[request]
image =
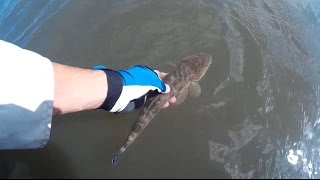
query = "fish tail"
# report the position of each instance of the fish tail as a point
(116, 158)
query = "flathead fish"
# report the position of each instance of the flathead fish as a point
(181, 80)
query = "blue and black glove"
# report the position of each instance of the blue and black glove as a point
(127, 89)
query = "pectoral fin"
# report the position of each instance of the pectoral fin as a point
(181, 96)
(194, 89)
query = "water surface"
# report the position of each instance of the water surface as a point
(257, 116)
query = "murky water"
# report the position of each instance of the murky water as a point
(257, 116)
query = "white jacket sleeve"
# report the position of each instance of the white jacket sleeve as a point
(26, 98)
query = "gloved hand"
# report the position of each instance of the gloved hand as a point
(127, 89)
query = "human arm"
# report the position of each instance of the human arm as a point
(78, 89)
(33, 88)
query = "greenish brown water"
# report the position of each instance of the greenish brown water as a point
(257, 116)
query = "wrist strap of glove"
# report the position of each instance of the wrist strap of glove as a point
(115, 86)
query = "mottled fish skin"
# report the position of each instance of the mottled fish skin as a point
(191, 68)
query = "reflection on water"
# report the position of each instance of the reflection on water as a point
(20, 20)
(258, 114)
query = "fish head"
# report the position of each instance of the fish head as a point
(195, 66)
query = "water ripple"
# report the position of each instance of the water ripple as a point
(23, 28)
